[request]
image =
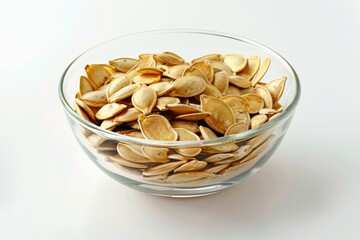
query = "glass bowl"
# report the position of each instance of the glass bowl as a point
(100, 144)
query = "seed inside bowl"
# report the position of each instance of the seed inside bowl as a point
(222, 93)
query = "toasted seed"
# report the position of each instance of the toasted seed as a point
(180, 109)
(146, 62)
(239, 81)
(256, 102)
(221, 117)
(189, 125)
(162, 168)
(157, 127)
(205, 68)
(240, 168)
(209, 57)
(134, 125)
(129, 114)
(193, 116)
(237, 127)
(186, 177)
(241, 115)
(85, 85)
(123, 64)
(258, 120)
(122, 161)
(221, 82)
(276, 87)
(128, 154)
(186, 135)
(115, 85)
(108, 145)
(95, 98)
(86, 108)
(251, 67)
(232, 90)
(156, 154)
(161, 88)
(261, 72)
(193, 71)
(220, 66)
(150, 71)
(144, 99)
(265, 94)
(235, 61)
(248, 90)
(81, 112)
(178, 157)
(222, 148)
(188, 86)
(268, 111)
(124, 92)
(136, 149)
(156, 178)
(191, 166)
(207, 133)
(258, 140)
(96, 140)
(216, 169)
(109, 124)
(135, 134)
(277, 106)
(162, 102)
(176, 71)
(218, 157)
(99, 73)
(274, 116)
(109, 110)
(212, 91)
(234, 101)
(242, 152)
(170, 58)
(146, 79)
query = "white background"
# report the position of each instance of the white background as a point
(309, 189)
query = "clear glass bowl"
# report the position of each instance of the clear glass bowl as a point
(99, 143)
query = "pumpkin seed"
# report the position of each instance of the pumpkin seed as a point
(258, 120)
(255, 102)
(239, 81)
(191, 166)
(189, 125)
(212, 91)
(241, 115)
(193, 71)
(162, 168)
(220, 66)
(162, 102)
(265, 94)
(109, 110)
(262, 70)
(129, 114)
(144, 99)
(182, 108)
(216, 169)
(251, 67)
(238, 127)
(95, 98)
(234, 101)
(161, 88)
(186, 177)
(98, 73)
(188, 86)
(170, 58)
(85, 85)
(232, 90)
(86, 108)
(157, 127)
(276, 87)
(221, 82)
(123, 64)
(218, 157)
(128, 154)
(115, 85)
(156, 154)
(206, 69)
(193, 116)
(124, 92)
(186, 135)
(209, 57)
(146, 79)
(235, 61)
(120, 160)
(176, 71)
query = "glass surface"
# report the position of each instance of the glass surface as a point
(190, 44)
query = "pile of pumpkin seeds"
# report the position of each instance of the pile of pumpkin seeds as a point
(163, 97)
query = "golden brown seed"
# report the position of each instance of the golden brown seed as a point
(232, 90)
(176, 71)
(276, 87)
(239, 81)
(115, 85)
(191, 166)
(161, 88)
(85, 85)
(150, 71)
(122, 161)
(162, 168)
(209, 57)
(109, 110)
(170, 58)
(221, 81)
(251, 68)
(238, 127)
(123, 64)
(86, 108)
(129, 114)
(216, 169)
(207, 133)
(258, 120)
(135, 134)
(221, 117)
(124, 92)
(220, 66)
(234, 101)
(241, 115)
(95, 140)
(261, 72)
(193, 116)
(162, 102)
(193, 71)
(218, 157)
(235, 61)
(95, 98)
(205, 68)
(146, 62)
(187, 177)
(81, 112)
(128, 154)
(268, 111)
(157, 178)
(144, 99)
(98, 73)
(189, 125)
(157, 127)
(146, 79)
(265, 94)
(186, 135)
(188, 86)
(156, 154)
(255, 102)
(109, 124)
(211, 90)
(178, 157)
(180, 109)
(274, 116)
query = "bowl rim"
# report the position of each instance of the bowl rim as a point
(173, 144)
